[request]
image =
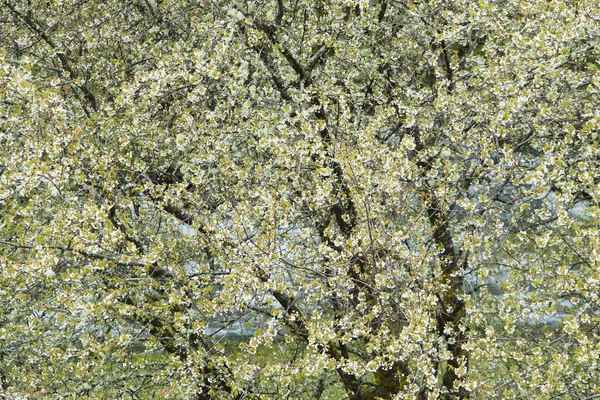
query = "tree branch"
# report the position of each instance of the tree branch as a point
(62, 57)
(268, 61)
(269, 30)
(153, 269)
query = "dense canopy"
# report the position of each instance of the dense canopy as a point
(300, 199)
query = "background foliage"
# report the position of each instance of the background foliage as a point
(398, 199)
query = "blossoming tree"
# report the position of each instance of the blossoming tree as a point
(398, 198)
